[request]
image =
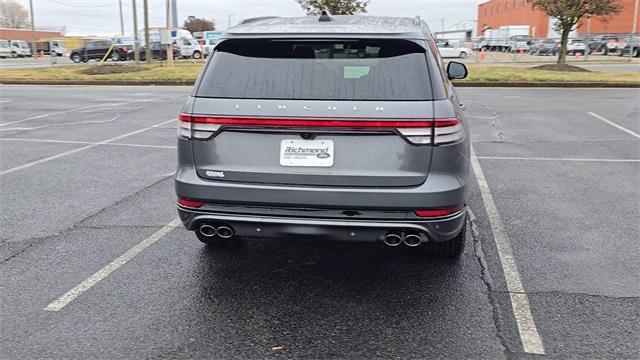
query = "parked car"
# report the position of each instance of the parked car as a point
(158, 51)
(96, 50)
(208, 45)
(5, 49)
(448, 50)
(630, 46)
(519, 42)
(20, 48)
(544, 47)
(576, 46)
(345, 131)
(604, 44)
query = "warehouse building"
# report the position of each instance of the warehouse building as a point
(496, 13)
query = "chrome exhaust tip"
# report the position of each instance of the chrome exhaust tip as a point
(225, 232)
(412, 240)
(392, 240)
(207, 230)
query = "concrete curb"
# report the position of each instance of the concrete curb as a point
(457, 84)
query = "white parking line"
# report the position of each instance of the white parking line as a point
(614, 124)
(531, 341)
(89, 143)
(55, 113)
(88, 283)
(66, 153)
(555, 159)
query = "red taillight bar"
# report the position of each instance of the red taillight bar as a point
(439, 212)
(190, 203)
(315, 122)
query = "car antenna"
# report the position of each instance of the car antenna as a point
(417, 20)
(325, 16)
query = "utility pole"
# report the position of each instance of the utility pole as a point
(121, 19)
(147, 47)
(33, 31)
(174, 13)
(136, 44)
(635, 18)
(169, 46)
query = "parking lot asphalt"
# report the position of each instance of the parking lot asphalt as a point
(86, 203)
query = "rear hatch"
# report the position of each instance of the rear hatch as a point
(308, 112)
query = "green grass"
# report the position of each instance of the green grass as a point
(188, 72)
(156, 72)
(493, 73)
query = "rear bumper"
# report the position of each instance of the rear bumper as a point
(251, 225)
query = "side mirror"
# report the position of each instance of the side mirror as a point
(456, 70)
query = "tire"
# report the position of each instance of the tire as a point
(447, 249)
(75, 58)
(463, 55)
(115, 57)
(197, 55)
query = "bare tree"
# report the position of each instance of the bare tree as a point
(13, 15)
(194, 24)
(335, 7)
(568, 13)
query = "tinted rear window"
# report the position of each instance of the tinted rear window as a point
(317, 70)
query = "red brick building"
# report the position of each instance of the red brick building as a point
(24, 34)
(495, 13)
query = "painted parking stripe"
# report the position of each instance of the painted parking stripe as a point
(89, 143)
(529, 336)
(607, 121)
(556, 159)
(55, 113)
(89, 282)
(87, 147)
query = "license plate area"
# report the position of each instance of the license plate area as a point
(306, 153)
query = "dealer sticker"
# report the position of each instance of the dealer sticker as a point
(317, 153)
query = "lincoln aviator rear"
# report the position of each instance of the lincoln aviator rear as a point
(343, 128)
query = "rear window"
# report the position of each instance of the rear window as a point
(317, 70)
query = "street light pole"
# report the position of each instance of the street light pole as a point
(136, 47)
(33, 30)
(169, 46)
(121, 18)
(635, 18)
(147, 46)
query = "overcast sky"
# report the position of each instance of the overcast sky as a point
(101, 17)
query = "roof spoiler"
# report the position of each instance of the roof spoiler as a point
(254, 19)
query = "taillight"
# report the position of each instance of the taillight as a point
(447, 131)
(192, 128)
(190, 203)
(438, 212)
(417, 131)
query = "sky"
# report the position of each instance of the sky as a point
(101, 17)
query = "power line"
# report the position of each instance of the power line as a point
(82, 6)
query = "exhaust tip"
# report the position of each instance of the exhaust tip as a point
(225, 232)
(412, 240)
(392, 240)
(207, 230)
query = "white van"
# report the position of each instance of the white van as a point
(5, 49)
(19, 48)
(183, 41)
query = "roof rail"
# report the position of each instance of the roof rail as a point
(254, 19)
(325, 16)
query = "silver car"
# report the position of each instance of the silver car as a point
(331, 127)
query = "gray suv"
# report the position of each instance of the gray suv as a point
(331, 127)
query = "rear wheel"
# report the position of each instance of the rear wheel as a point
(463, 55)
(447, 249)
(115, 57)
(197, 55)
